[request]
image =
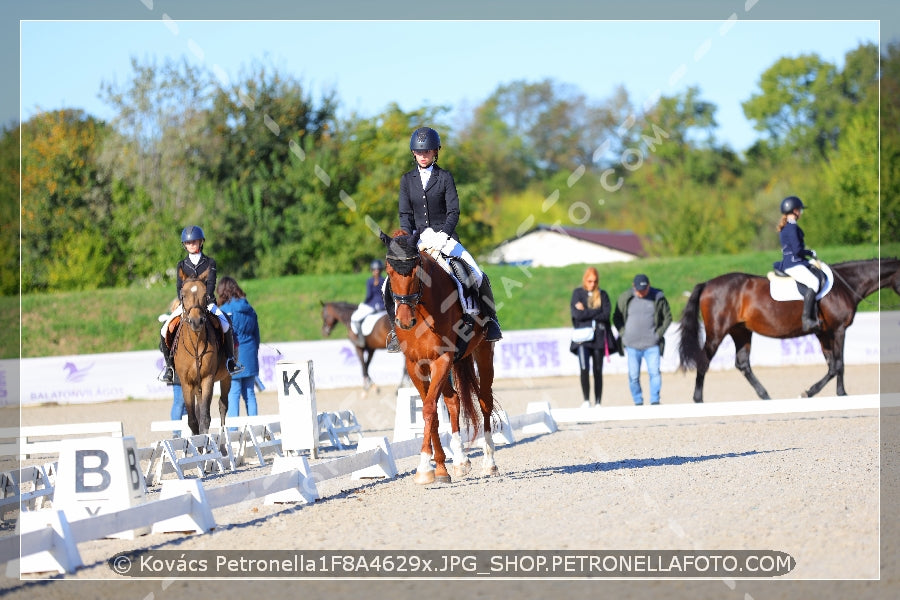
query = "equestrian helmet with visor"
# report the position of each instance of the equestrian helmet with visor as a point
(376, 264)
(424, 138)
(192, 233)
(790, 204)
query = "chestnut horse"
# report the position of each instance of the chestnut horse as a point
(200, 357)
(340, 312)
(436, 339)
(738, 304)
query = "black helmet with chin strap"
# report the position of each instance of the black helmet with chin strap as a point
(790, 204)
(425, 138)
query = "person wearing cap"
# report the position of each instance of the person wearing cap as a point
(795, 261)
(374, 301)
(429, 205)
(642, 317)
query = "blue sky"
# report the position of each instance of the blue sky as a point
(455, 63)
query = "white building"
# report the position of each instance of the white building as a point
(546, 246)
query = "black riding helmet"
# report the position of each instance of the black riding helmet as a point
(193, 233)
(790, 204)
(425, 138)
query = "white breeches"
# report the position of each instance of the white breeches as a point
(804, 276)
(359, 315)
(213, 308)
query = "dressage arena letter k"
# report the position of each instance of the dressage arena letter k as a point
(290, 382)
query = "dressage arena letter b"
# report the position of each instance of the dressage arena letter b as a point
(290, 382)
(82, 471)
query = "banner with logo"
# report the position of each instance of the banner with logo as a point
(520, 354)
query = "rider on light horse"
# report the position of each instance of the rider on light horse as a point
(429, 204)
(194, 265)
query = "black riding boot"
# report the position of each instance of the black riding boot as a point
(810, 319)
(488, 310)
(393, 344)
(168, 372)
(231, 363)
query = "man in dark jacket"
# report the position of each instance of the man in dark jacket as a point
(642, 317)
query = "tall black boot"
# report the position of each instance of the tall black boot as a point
(393, 344)
(168, 373)
(231, 363)
(488, 311)
(810, 319)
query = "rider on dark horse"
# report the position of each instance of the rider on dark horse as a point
(795, 261)
(195, 264)
(373, 303)
(429, 204)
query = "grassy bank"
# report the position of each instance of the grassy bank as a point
(120, 320)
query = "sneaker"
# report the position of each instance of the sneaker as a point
(393, 345)
(585, 404)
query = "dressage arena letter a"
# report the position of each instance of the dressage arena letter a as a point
(297, 407)
(99, 475)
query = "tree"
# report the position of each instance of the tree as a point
(62, 197)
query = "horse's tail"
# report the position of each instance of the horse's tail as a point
(467, 386)
(690, 351)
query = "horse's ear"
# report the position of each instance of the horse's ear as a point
(385, 239)
(181, 274)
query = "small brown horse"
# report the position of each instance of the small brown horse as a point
(340, 312)
(200, 357)
(436, 340)
(738, 304)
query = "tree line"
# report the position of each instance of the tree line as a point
(282, 186)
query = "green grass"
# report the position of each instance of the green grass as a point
(121, 320)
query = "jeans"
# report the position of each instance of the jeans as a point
(651, 357)
(242, 387)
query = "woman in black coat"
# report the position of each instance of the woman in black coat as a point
(590, 307)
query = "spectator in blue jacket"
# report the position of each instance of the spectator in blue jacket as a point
(233, 302)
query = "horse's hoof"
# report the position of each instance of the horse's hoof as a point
(462, 469)
(442, 479)
(424, 478)
(493, 471)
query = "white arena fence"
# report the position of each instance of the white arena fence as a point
(48, 538)
(522, 353)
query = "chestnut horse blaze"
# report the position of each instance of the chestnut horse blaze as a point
(432, 331)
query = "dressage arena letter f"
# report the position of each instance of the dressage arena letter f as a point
(292, 381)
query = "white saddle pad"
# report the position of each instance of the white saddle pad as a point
(368, 323)
(785, 288)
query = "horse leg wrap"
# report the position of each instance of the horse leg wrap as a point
(488, 466)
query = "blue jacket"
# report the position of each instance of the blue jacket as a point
(374, 297)
(246, 332)
(793, 250)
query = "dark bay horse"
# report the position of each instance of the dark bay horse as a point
(738, 304)
(437, 340)
(200, 357)
(340, 312)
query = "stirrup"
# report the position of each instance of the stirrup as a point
(393, 345)
(167, 375)
(233, 366)
(492, 331)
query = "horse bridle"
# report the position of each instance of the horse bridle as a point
(411, 300)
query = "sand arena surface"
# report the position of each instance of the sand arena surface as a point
(804, 484)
